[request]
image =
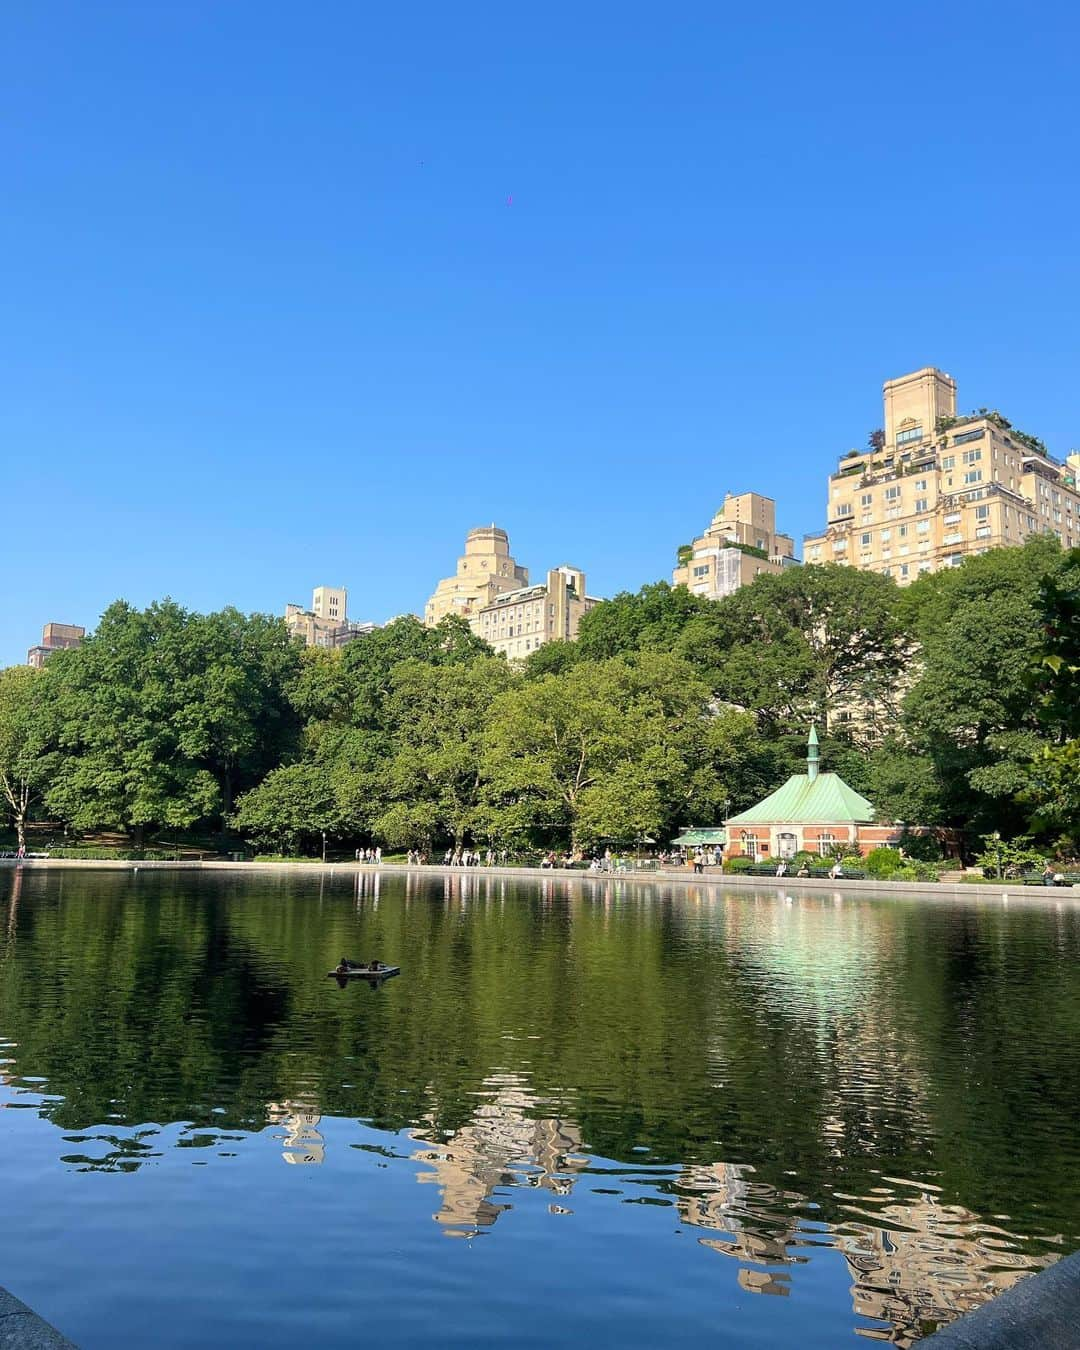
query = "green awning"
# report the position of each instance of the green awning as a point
(690, 837)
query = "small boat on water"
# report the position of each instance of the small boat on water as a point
(370, 970)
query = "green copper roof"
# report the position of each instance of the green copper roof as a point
(824, 800)
(711, 836)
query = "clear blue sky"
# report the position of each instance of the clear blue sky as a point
(270, 319)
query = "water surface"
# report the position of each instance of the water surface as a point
(603, 1109)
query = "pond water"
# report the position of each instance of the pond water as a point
(601, 1110)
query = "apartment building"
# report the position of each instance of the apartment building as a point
(484, 571)
(55, 637)
(518, 622)
(739, 544)
(326, 623)
(940, 487)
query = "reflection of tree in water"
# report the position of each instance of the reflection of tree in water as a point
(503, 1145)
(833, 1044)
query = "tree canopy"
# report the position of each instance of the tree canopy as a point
(951, 703)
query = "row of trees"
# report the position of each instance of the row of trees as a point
(951, 703)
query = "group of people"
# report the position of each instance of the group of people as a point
(369, 855)
(471, 857)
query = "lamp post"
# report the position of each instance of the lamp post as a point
(324, 846)
(997, 851)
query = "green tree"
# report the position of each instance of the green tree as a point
(115, 702)
(289, 809)
(971, 711)
(1052, 789)
(802, 644)
(611, 751)
(433, 779)
(649, 620)
(24, 761)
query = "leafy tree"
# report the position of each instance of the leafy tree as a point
(433, 779)
(114, 703)
(971, 711)
(24, 761)
(1052, 789)
(289, 809)
(802, 644)
(649, 620)
(365, 685)
(611, 751)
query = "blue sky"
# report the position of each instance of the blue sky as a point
(298, 294)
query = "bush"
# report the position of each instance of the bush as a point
(739, 864)
(883, 862)
(91, 854)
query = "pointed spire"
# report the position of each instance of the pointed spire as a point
(812, 753)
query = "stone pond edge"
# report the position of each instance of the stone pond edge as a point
(938, 890)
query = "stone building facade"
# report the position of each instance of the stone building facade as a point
(518, 622)
(740, 543)
(941, 487)
(485, 570)
(326, 623)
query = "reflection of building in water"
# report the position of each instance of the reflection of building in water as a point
(503, 1145)
(927, 1265)
(303, 1142)
(915, 1263)
(758, 1221)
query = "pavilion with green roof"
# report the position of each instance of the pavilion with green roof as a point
(813, 811)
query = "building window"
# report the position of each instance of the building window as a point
(749, 844)
(908, 436)
(973, 476)
(702, 571)
(844, 509)
(971, 456)
(826, 840)
(983, 532)
(866, 499)
(866, 540)
(948, 461)
(966, 436)
(922, 505)
(892, 494)
(920, 485)
(982, 513)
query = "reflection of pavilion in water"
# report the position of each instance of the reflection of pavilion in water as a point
(503, 1145)
(302, 1140)
(915, 1263)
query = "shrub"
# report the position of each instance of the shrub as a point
(883, 862)
(739, 864)
(91, 854)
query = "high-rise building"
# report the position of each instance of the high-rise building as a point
(517, 622)
(485, 571)
(739, 544)
(326, 623)
(936, 487)
(55, 637)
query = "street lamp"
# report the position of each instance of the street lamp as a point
(997, 850)
(324, 846)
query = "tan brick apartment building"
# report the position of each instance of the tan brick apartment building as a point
(942, 487)
(739, 544)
